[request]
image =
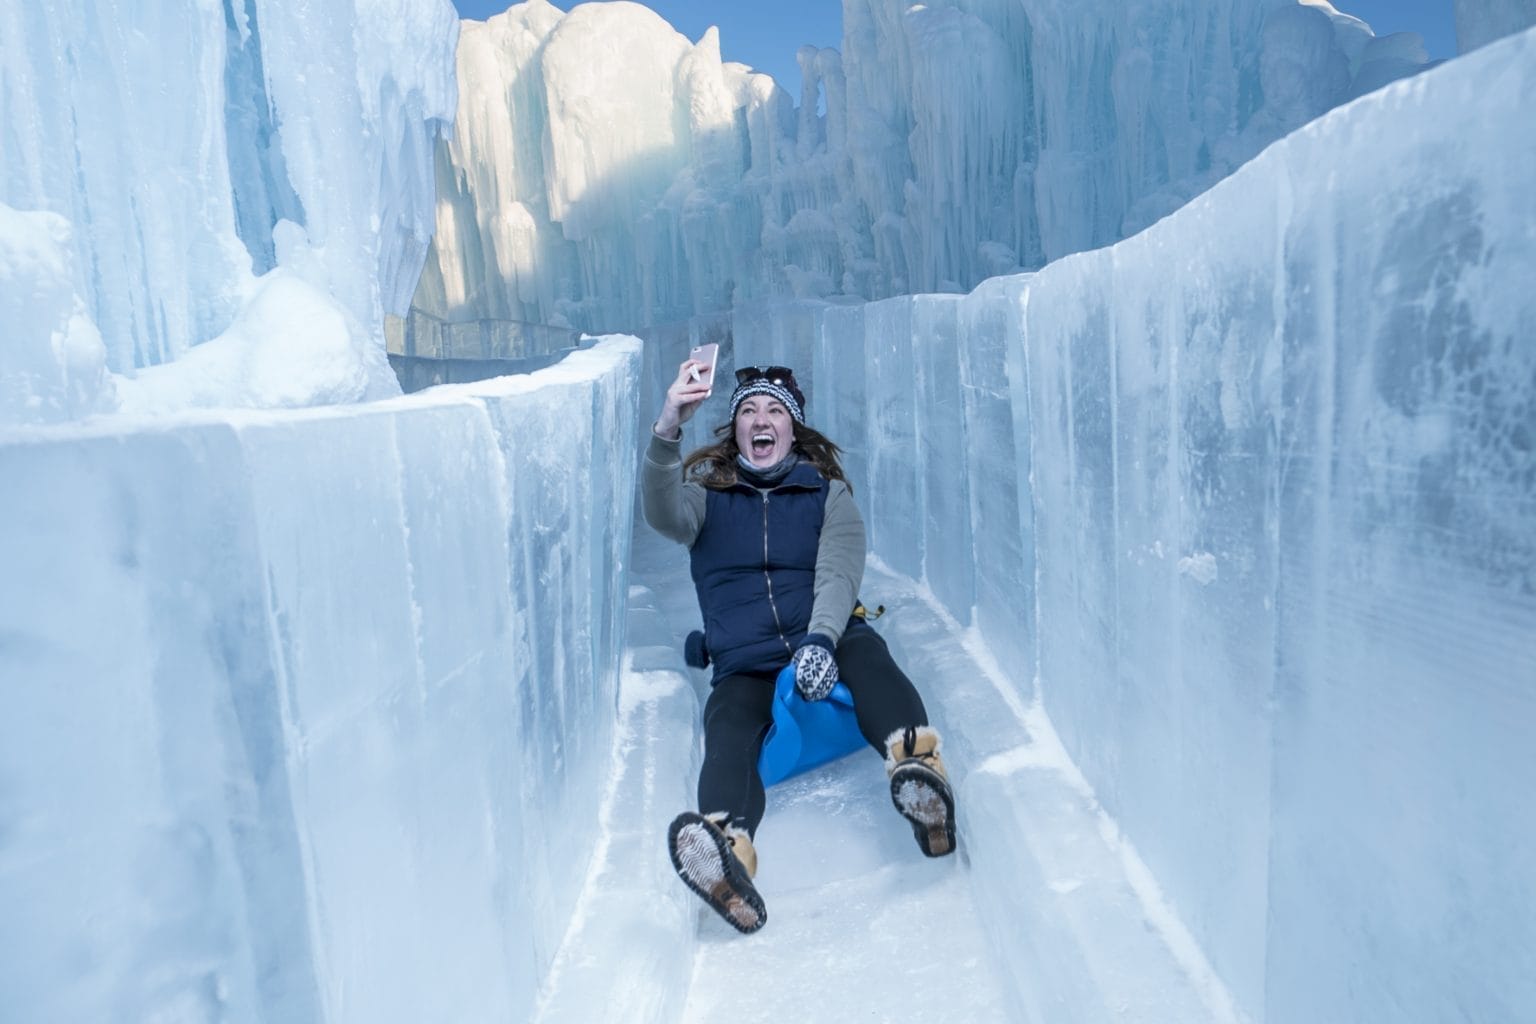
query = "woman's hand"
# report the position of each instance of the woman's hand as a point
(815, 668)
(684, 397)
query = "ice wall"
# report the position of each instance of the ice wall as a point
(1482, 21)
(1248, 501)
(605, 173)
(304, 716)
(174, 137)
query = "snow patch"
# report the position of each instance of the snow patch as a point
(53, 362)
(1200, 567)
(290, 346)
(637, 688)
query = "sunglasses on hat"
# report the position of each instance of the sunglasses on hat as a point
(780, 375)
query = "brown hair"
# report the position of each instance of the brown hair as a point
(715, 466)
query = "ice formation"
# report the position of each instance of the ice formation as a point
(1248, 503)
(172, 138)
(298, 714)
(606, 173)
(321, 715)
(1482, 21)
(54, 366)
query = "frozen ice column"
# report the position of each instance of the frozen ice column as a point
(175, 137)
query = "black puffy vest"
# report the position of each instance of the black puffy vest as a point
(754, 566)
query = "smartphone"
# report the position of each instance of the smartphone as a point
(706, 354)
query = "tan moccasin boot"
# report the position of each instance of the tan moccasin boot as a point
(920, 789)
(717, 861)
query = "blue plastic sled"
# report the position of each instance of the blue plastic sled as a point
(806, 734)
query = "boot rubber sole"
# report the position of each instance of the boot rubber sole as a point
(924, 799)
(702, 857)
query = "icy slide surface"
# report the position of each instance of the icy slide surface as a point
(1248, 502)
(304, 716)
(1042, 915)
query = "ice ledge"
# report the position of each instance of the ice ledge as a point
(1050, 869)
(625, 956)
(1082, 928)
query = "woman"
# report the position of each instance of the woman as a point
(777, 553)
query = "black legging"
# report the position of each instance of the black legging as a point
(739, 711)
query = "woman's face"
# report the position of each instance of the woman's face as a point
(764, 430)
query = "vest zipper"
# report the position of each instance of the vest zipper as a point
(777, 622)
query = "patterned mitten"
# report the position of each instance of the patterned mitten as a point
(815, 668)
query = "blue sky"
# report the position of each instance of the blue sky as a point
(766, 35)
(1435, 20)
(762, 34)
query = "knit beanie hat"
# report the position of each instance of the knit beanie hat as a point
(780, 386)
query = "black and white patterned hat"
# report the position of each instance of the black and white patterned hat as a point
(776, 382)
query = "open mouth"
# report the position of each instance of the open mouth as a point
(762, 445)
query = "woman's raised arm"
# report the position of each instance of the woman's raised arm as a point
(683, 399)
(672, 508)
